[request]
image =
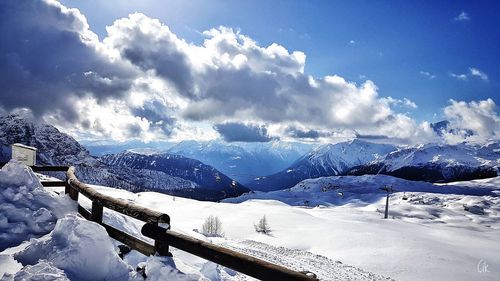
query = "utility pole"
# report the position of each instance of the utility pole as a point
(389, 190)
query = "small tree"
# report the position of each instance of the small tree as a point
(262, 226)
(212, 227)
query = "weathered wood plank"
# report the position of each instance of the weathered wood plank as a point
(44, 168)
(119, 205)
(53, 183)
(254, 267)
(49, 168)
(127, 239)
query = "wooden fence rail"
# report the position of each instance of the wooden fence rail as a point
(157, 227)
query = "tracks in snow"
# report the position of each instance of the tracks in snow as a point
(323, 267)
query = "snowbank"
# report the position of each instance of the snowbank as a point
(42, 271)
(41, 240)
(26, 209)
(81, 248)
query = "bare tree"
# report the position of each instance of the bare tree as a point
(212, 227)
(262, 226)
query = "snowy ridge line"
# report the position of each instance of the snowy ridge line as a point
(164, 237)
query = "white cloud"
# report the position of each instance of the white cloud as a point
(462, 77)
(405, 102)
(143, 81)
(352, 42)
(479, 117)
(478, 73)
(473, 72)
(463, 16)
(428, 74)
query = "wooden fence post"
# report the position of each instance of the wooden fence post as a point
(161, 246)
(96, 214)
(67, 188)
(73, 193)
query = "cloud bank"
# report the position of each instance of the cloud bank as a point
(234, 131)
(143, 81)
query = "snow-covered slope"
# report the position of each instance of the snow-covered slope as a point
(210, 183)
(340, 190)
(326, 160)
(243, 161)
(430, 236)
(438, 162)
(77, 249)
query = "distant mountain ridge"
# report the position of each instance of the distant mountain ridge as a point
(54, 147)
(57, 148)
(325, 160)
(437, 162)
(206, 177)
(243, 161)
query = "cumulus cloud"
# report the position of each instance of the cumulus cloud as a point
(473, 72)
(428, 74)
(478, 73)
(405, 102)
(463, 16)
(230, 76)
(459, 76)
(235, 131)
(143, 81)
(479, 117)
(48, 56)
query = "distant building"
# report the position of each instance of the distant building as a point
(24, 154)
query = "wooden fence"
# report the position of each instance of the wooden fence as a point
(157, 227)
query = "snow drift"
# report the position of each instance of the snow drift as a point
(26, 209)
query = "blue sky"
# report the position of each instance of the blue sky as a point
(321, 71)
(393, 43)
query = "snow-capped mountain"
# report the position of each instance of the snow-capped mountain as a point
(243, 161)
(57, 148)
(211, 184)
(53, 147)
(103, 147)
(326, 160)
(438, 162)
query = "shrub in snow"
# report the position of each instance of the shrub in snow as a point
(212, 227)
(81, 248)
(262, 226)
(27, 210)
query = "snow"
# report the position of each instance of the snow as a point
(26, 209)
(431, 237)
(74, 244)
(466, 154)
(441, 232)
(42, 271)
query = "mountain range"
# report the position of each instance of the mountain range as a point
(243, 161)
(437, 162)
(214, 170)
(325, 160)
(57, 148)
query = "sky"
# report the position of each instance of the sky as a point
(254, 70)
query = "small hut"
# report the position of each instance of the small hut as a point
(24, 154)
